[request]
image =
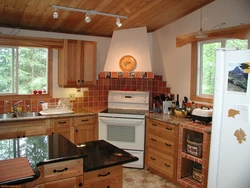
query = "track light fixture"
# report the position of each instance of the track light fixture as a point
(55, 14)
(88, 13)
(87, 17)
(118, 23)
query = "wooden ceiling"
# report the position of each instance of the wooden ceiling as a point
(37, 14)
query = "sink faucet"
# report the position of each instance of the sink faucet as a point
(14, 107)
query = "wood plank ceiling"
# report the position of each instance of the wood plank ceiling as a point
(37, 14)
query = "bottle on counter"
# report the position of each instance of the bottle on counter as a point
(177, 103)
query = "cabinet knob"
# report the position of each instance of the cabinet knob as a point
(76, 130)
(55, 171)
(152, 158)
(166, 165)
(61, 122)
(108, 186)
(53, 133)
(80, 184)
(169, 145)
(168, 128)
(102, 175)
(153, 139)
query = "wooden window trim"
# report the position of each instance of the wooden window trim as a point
(33, 42)
(193, 77)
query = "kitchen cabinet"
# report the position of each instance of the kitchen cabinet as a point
(85, 129)
(63, 174)
(186, 161)
(107, 177)
(61, 126)
(161, 148)
(77, 64)
(16, 129)
(77, 129)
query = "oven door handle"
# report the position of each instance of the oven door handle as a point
(121, 121)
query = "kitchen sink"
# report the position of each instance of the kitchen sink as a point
(22, 114)
(28, 114)
(7, 116)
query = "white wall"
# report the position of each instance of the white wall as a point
(103, 44)
(132, 42)
(175, 63)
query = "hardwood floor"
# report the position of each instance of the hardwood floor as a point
(140, 178)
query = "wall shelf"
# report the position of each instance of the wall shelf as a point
(186, 160)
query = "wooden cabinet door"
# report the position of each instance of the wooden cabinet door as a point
(84, 133)
(77, 64)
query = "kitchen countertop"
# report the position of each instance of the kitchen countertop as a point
(77, 112)
(41, 150)
(177, 120)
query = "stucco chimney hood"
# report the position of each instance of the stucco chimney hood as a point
(133, 42)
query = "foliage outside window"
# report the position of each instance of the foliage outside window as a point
(203, 66)
(23, 70)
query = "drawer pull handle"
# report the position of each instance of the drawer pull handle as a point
(103, 175)
(168, 128)
(169, 145)
(84, 120)
(61, 122)
(55, 171)
(154, 124)
(153, 158)
(166, 165)
(153, 139)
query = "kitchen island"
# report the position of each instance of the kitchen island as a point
(58, 162)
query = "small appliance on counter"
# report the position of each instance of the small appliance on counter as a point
(203, 114)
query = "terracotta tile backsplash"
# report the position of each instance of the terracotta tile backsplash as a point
(98, 94)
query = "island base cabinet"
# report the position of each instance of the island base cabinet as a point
(75, 182)
(103, 178)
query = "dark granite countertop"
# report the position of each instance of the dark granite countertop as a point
(41, 150)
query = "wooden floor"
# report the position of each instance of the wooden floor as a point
(140, 178)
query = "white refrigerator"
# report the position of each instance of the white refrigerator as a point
(229, 162)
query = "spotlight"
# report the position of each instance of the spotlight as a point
(55, 14)
(87, 17)
(118, 23)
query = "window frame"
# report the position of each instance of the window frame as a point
(33, 42)
(195, 54)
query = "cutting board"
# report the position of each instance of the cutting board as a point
(14, 169)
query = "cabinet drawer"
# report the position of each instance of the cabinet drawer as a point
(162, 129)
(61, 170)
(161, 162)
(102, 174)
(111, 183)
(161, 144)
(75, 182)
(85, 120)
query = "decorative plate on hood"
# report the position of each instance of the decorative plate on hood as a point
(127, 63)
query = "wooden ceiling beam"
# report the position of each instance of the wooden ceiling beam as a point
(236, 32)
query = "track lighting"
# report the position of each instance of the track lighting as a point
(87, 17)
(88, 13)
(118, 23)
(55, 14)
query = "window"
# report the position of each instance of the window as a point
(203, 66)
(26, 65)
(23, 70)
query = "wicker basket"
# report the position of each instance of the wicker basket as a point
(194, 147)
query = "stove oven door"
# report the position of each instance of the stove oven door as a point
(123, 132)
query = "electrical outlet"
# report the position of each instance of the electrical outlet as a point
(72, 96)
